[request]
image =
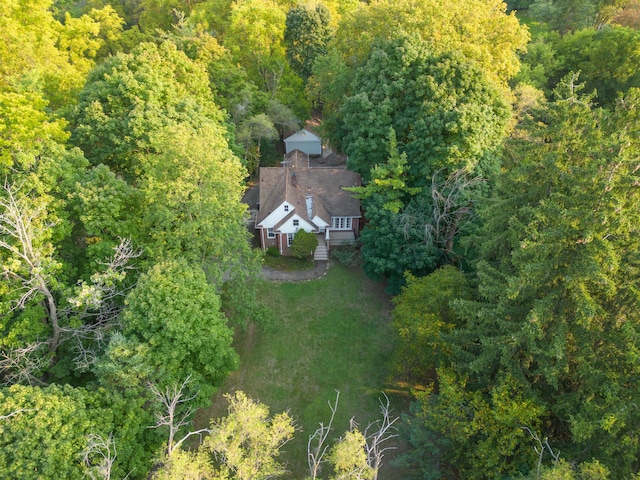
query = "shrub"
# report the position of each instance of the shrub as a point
(347, 255)
(303, 245)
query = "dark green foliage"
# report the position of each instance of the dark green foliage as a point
(411, 229)
(422, 318)
(466, 433)
(566, 15)
(606, 59)
(49, 432)
(389, 250)
(557, 317)
(306, 36)
(304, 244)
(347, 255)
(518, 4)
(273, 251)
(445, 114)
(175, 316)
(541, 62)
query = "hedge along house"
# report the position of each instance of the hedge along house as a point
(305, 141)
(297, 196)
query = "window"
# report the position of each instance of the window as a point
(286, 208)
(341, 223)
(270, 233)
(289, 239)
(296, 222)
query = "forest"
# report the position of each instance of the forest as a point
(499, 147)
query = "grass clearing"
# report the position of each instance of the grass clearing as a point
(330, 334)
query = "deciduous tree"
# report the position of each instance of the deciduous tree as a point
(306, 37)
(482, 31)
(407, 87)
(150, 117)
(422, 317)
(176, 314)
(247, 441)
(55, 426)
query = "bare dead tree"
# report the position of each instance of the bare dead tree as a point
(378, 434)
(97, 304)
(99, 456)
(450, 210)
(317, 446)
(172, 400)
(22, 225)
(19, 365)
(31, 266)
(540, 447)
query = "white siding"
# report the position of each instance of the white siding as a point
(289, 227)
(319, 222)
(278, 214)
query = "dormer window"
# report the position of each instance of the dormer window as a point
(341, 223)
(286, 208)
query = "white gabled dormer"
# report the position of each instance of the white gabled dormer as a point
(319, 222)
(276, 216)
(295, 223)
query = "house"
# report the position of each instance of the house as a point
(305, 141)
(298, 196)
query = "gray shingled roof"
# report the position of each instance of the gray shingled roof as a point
(295, 181)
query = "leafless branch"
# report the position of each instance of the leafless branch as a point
(316, 446)
(97, 298)
(450, 210)
(540, 448)
(97, 305)
(171, 399)
(22, 223)
(17, 412)
(20, 365)
(377, 434)
(30, 264)
(100, 455)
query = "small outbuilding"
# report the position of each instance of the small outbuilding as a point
(305, 141)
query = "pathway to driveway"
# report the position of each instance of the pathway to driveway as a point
(319, 270)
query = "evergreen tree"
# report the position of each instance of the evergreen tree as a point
(557, 276)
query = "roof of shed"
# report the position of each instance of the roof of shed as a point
(303, 135)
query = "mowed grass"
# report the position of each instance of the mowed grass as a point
(330, 334)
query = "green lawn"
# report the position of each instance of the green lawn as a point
(330, 334)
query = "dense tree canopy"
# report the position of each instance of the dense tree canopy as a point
(123, 165)
(556, 320)
(445, 117)
(130, 96)
(481, 31)
(605, 58)
(49, 56)
(48, 430)
(445, 114)
(164, 137)
(306, 37)
(177, 315)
